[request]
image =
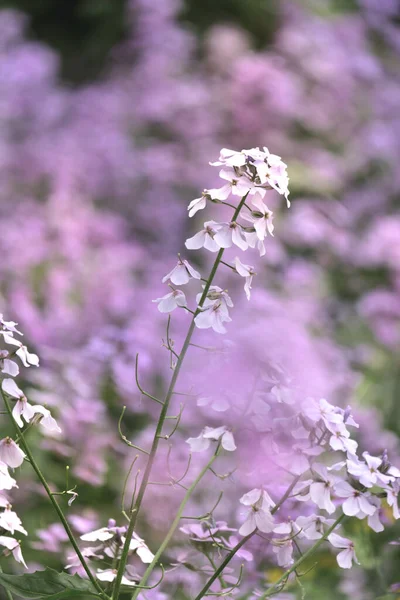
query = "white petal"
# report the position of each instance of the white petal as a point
(10, 453)
(10, 387)
(249, 525)
(197, 241)
(251, 497)
(99, 535)
(228, 442)
(10, 367)
(198, 444)
(145, 555)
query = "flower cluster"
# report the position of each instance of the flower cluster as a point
(327, 474)
(11, 455)
(249, 175)
(108, 548)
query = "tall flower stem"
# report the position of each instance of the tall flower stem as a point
(54, 502)
(162, 417)
(276, 587)
(242, 542)
(174, 525)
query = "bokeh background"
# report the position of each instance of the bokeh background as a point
(110, 111)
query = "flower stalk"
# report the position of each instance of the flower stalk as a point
(163, 416)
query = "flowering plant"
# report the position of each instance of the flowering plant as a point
(322, 478)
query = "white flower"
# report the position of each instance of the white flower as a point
(312, 527)
(367, 472)
(216, 293)
(213, 315)
(182, 273)
(27, 358)
(110, 574)
(47, 421)
(254, 242)
(373, 520)
(205, 238)
(259, 166)
(392, 493)
(22, 408)
(231, 233)
(9, 325)
(10, 453)
(138, 545)
(259, 515)
(99, 535)
(320, 491)
(198, 203)
(321, 410)
(356, 503)
(6, 481)
(7, 366)
(15, 548)
(340, 439)
(347, 556)
(238, 185)
(209, 434)
(232, 158)
(245, 271)
(284, 552)
(10, 521)
(171, 301)
(260, 217)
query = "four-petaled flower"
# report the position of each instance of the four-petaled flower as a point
(259, 514)
(212, 434)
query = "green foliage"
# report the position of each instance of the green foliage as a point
(48, 585)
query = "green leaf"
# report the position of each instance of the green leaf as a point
(48, 585)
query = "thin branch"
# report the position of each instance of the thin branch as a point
(124, 438)
(125, 486)
(138, 384)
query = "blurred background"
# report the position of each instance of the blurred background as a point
(110, 111)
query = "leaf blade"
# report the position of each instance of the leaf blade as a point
(48, 585)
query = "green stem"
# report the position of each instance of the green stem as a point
(8, 593)
(272, 590)
(162, 417)
(174, 525)
(242, 542)
(54, 502)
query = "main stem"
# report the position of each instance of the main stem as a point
(282, 580)
(242, 542)
(174, 525)
(161, 420)
(54, 502)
